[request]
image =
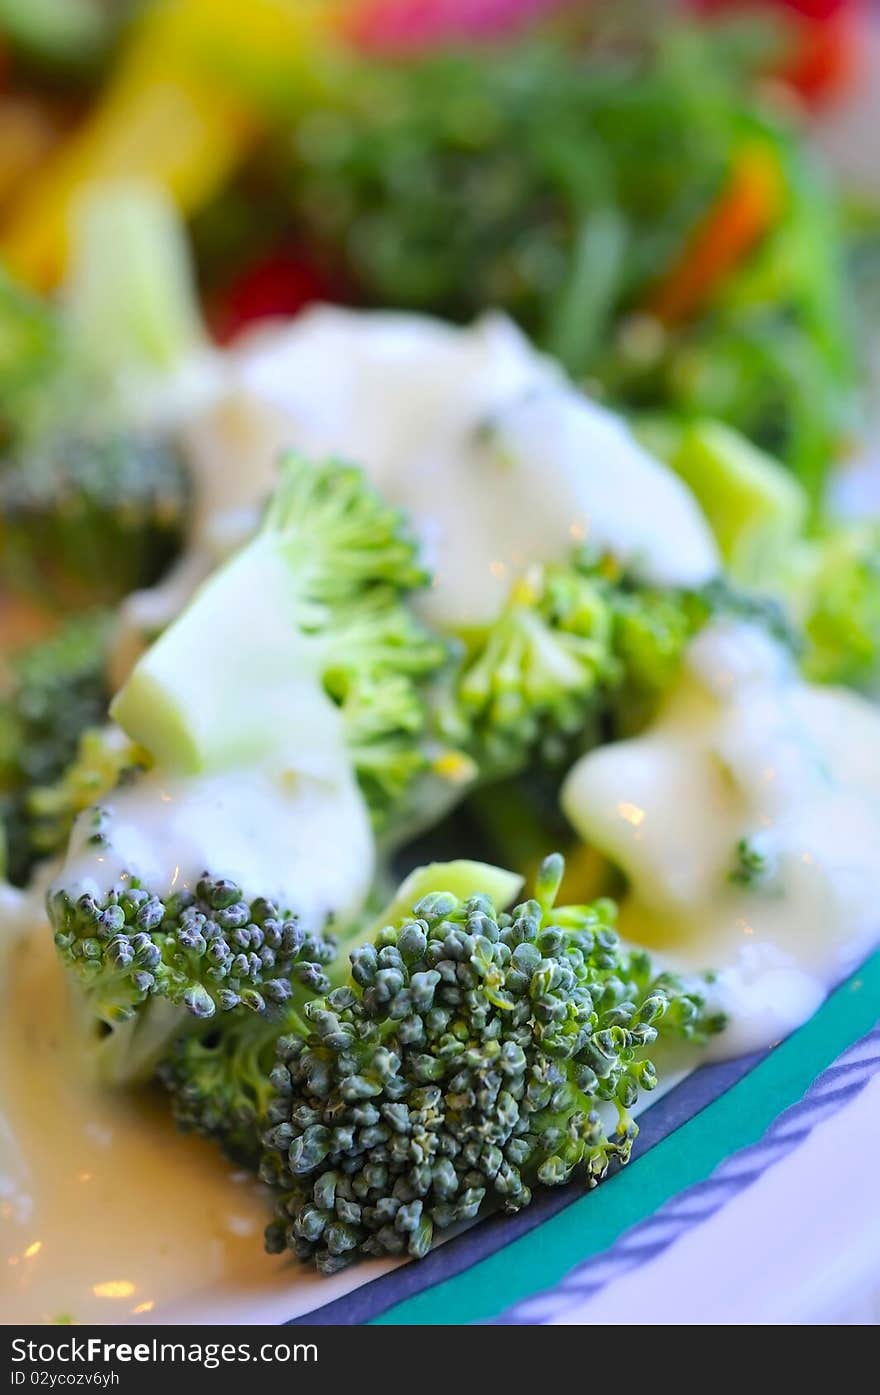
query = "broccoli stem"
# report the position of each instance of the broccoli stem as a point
(322, 646)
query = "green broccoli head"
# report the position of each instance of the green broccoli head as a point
(88, 520)
(652, 629)
(538, 673)
(835, 591)
(219, 1075)
(581, 652)
(384, 723)
(466, 1060)
(56, 689)
(148, 967)
(338, 534)
(578, 646)
(104, 759)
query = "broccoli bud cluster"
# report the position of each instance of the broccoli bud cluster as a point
(467, 1059)
(56, 689)
(204, 950)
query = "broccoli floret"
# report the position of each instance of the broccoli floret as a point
(31, 354)
(383, 719)
(56, 689)
(539, 671)
(301, 640)
(90, 509)
(466, 1060)
(88, 520)
(577, 645)
(104, 759)
(218, 1079)
(331, 569)
(835, 592)
(150, 968)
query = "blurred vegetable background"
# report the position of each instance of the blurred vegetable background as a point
(629, 180)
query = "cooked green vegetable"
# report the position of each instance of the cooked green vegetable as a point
(219, 1084)
(330, 570)
(580, 652)
(94, 503)
(56, 689)
(303, 637)
(466, 1060)
(755, 508)
(826, 579)
(219, 1080)
(149, 968)
(88, 520)
(832, 586)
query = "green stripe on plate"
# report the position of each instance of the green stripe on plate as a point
(539, 1259)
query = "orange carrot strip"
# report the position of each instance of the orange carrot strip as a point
(744, 211)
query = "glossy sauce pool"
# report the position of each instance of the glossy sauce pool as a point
(108, 1213)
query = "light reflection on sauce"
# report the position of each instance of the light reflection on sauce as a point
(114, 1288)
(744, 749)
(162, 1210)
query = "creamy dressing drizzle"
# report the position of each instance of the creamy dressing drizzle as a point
(745, 749)
(496, 458)
(302, 840)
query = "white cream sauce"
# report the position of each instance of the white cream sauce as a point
(744, 749)
(497, 459)
(299, 838)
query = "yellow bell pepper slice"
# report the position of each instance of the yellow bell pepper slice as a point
(172, 113)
